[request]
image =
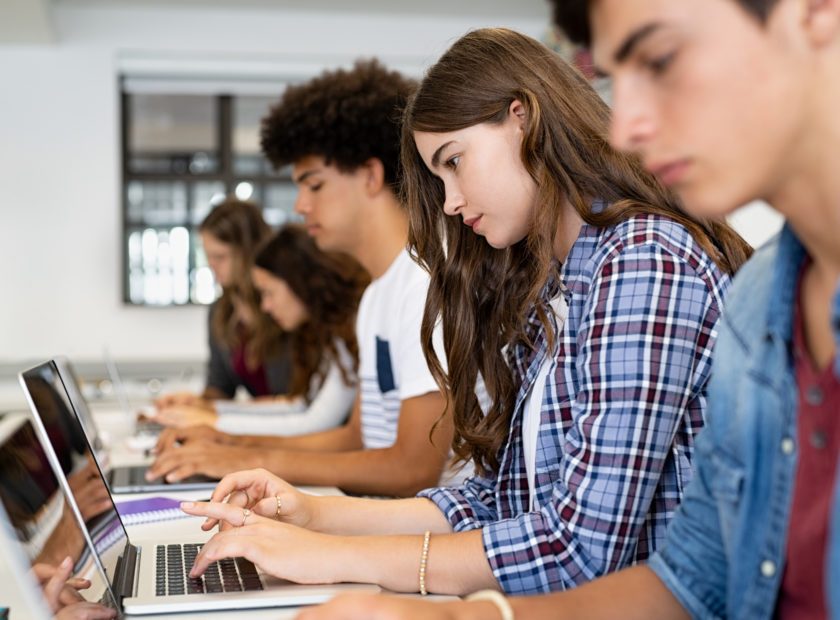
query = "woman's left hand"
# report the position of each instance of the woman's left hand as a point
(181, 416)
(279, 549)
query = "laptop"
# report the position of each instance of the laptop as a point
(144, 425)
(154, 577)
(37, 518)
(19, 592)
(123, 478)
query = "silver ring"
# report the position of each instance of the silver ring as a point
(245, 514)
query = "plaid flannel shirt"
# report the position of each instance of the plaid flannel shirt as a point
(623, 401)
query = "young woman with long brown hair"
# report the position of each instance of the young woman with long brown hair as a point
(313, 296)
(247, 348)
(589, 310)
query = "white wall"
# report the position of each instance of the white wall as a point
(60, 245)
(60, 204)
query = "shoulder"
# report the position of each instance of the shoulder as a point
(750, 296)
(656, 246)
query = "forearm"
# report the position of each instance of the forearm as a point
(387, 471)
(334, 440)
(634, 593)
(358, 515)
(456, 563)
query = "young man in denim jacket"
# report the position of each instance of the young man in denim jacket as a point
(729, 101)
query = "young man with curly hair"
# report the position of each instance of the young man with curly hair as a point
(341, 133)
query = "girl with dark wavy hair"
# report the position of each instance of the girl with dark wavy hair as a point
(313, 296)
(577, 290)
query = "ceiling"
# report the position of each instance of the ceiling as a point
(502, 8)
(30, 22)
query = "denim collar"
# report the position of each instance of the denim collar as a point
(786, 272)
(789, 257)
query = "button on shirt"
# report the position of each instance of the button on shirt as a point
(802, 593)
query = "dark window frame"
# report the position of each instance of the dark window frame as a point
(225, 174)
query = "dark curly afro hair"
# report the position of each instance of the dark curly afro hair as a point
(346, 117)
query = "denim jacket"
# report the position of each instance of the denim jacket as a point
(725, 549)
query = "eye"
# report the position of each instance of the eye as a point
(453, 162)
(660, 64)
(316, 186)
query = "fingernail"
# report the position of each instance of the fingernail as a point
(67, 562)
(185, 505)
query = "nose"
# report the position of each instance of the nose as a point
(453, 202)
(633, 114)
(302, 206)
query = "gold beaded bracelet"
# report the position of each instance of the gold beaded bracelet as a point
(424, 557)
(495, 597)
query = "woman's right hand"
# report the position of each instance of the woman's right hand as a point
(268, 496)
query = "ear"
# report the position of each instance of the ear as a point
(821, 19)
(374, 176)
(518, 111)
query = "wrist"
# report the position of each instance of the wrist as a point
(495, 600)
(471, 610)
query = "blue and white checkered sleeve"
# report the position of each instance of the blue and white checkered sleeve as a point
(468, 507)
(644, 327)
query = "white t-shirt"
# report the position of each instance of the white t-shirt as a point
(329, 404)
(533, 403)
(392, 367)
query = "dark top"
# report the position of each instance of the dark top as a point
(223, 376)
(802, 594)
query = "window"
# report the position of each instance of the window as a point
(183, 153)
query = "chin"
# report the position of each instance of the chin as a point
(712, 203)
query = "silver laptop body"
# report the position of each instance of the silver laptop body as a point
(121, 478)
(133, 571)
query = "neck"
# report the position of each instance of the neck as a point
(383, 236)
(808, 194)
(567, 232)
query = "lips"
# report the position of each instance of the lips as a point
(471, 222)
(670, 173)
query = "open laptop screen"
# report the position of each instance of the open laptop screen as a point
(37, 509)
(85, 480)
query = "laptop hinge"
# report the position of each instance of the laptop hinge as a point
(124, 573)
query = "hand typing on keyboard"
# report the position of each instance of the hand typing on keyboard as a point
(279, 549)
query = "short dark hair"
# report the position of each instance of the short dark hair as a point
(345, 116)
(572, 16)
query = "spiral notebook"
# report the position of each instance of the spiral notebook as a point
(150, 509)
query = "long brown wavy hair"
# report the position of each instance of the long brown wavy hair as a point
(330, 285)
(481, 295)
(240, 225)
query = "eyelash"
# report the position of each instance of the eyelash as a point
(659, 65)
(316, 187)
(453, 161)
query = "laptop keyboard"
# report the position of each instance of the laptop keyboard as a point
(137, 476)
(229, 575)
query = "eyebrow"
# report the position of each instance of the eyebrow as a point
(305, 176)
(438, 152)
(632, 41)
